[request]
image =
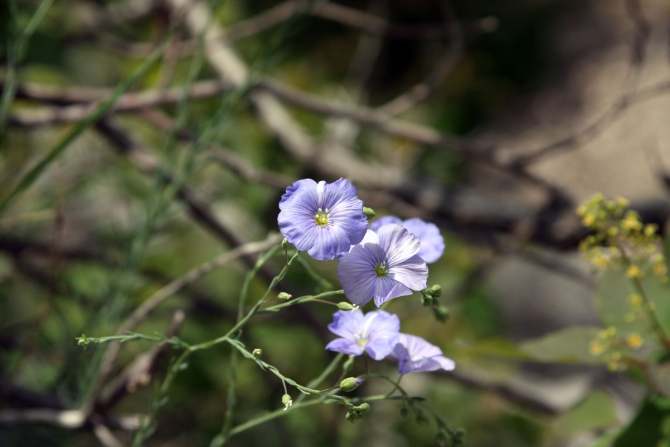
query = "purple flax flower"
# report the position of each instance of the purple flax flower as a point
(375, 333)
(432, 242)
(385, 265)
(323, 218)
(416, 354)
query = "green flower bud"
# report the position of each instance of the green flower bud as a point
(350, 384)
(343, 305)
(436, 291)
(82, 341)
(284, 243)
(286, 400)
(369, 212)
(363, 408)
(257, 353)
(284, 296)
(441, 314)
(427, 300)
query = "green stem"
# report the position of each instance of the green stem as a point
(249, 315)
(303, 299)
(103, 107)
(325, 373)
(663, 336)
(15, 52)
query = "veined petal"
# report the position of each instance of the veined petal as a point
(416, 354)
(398, 243)
(386, 288)
(345, 347)
(432, 242)
(307, 183)
(346, 209)
(329, 242)
(412, 273)
(385, 220)
(356, 271)
(346, 324)
(383, 334)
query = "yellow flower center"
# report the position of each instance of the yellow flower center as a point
(382, 269)
(321, 217)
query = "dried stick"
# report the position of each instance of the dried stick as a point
(444, 65)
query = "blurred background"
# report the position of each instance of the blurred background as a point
(494, 120)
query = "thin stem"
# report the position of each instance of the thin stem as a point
(98, 112)
(15, 52)
(249, 315)
(663, 336)
(304, 299)
(397, 385)
(321, 377)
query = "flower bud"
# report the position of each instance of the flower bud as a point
(369, 212)
(257, 353)
(343, 305)
(284, 243)
(350, 384)
(363, 408)
(284, 296)
(441, 314)
(286, 400)
(436, 291)
(427, 300)
(82, 341)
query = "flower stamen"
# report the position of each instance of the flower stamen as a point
(321, 217)
(382, 269)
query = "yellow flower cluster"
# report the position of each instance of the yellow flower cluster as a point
(608, 343)
(620, 239)
(638, 308)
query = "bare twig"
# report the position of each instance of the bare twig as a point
(139, 372)
(63, 418)
(224, 156)
(194, 274)
(105, 436)
(444, 65)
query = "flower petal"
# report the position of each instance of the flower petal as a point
(386, 288)
(356, 271)
(412, 273)
(345, 346)
(346, 323)
(346, 209)
(329, 242)
(398, 243)
(432, 242)
(378, 223)
(382, 332)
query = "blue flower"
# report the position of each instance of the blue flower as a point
(416, 354)
(375, 333)
(385, 265)
(324, 219)
(432, 242)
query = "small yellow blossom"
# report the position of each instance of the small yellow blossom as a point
(649, 229)
(633, 271)
(660, 269)
(634, 341)
(623, 203)
(596, 348)
(589, 220)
